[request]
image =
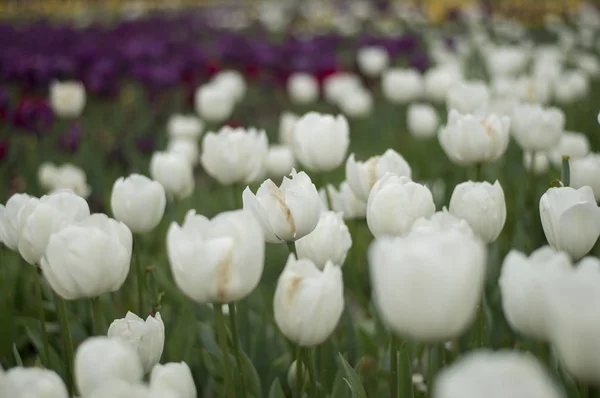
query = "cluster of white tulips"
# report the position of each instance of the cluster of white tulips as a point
(429, 263)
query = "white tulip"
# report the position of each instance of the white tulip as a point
(67, 99)
(185, 148)
(308, 302)
(9, 221)
(536, 128)
(287, 121)
(139, 202)
(175, 376)
(234, 155)
(540, 160)
(116, 388)
(585, 171)
(219, 260)
(292, 374)
(303, 88)
(288, 212)
(147, 337)
(362, 176)
(499, 374)
(441, 221)
(439, 80)
(66, 176)
(506, 60)
(346, 202)
(533, 89)
(320, 141)
(214, 103)
(232, 82)
(422, 120)
(402, 86)
(372, 60)
(184, 126)
(357, 104)
(7, 387)
(589, 64)
(88, 258)
(427, 286)
(571, 86)
(100, 359)
(36, 383)
(46, 174)
(38, 219)
(572, 144)
(280, 161)
(571, 219)
(468, 140)
(468, 97)
(522, 282)
(174, 173)
(395, 203)
(328, 242)
(482, 205)
(336, 86)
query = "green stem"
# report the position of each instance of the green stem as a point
(394, 367)
(566, 171)
(299, 375)
(292, 248)
(41, 315)
(310, 363)
(98, 320)
(584, 390)
(478, 172)
(235, 195)
(236, 345)
(140, 277)
(61, 309)
(323, 363)
(222, 337)
(404, 380)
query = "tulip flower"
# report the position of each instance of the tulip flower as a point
(303, 88)
(288, 212)
(174, 173)
(571, 219)
(320, 141)
(214, 103)
(497, 374)
(336, 86)
(422, 120)
(67, 98)
(329, 241)
(362, 176)
(468, 97)
(538, 161)
(219, 260)
(117, 388)
(586, 171)
(308, 303)
(287, 121)
(372, 60)
(9, 222)
(232, 82)
(36, 382)
(357, 104)
(572, 144)
(428, 286)
(184, 126)
(401, 86)
(138, 202)
(175, 376)
(147, 337)
(441, 221)
(345, 201)
(66, 176)
(185, 148)
(536, 128)
(235, 155)
(395, 203)
(280, 161)
(439, 80)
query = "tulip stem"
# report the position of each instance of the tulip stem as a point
(140, 276)
(584, 391)
(310, 363)
(292, 248)
(566, 171)
(299, 375)
(41, 315)
(222, 337)
(61, 309)
(236, 345)
(393, 367)
(97, 320)
(478, 172)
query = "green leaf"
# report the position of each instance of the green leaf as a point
(276, 391)
(56, 363)
(213, 364)
(405, 386)
(352, 379)
(17, 356)
(339, 386)
(251, 376)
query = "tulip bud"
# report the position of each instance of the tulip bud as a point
(308, 303)
(107, 245)
(585, 171)
(231, 82)
(428, 286)
(536, 128)
(372, 60)
(174, 173)
(361, 176)
(280, 161)
(357, 104)
(338, 85)
(184, 127)
(423, 120)
(512, 373)
(328, 242)
(175, 376)
(219, 260)
(571, 219)
(288, 212)
(303, 88)
(540, 161)
(346, 202)
(185, 148)
(139, 202)
(402, 86)
(9, 223)
(100, 359)
(38, 219)
(214, 103)
(287, 121)
(395, 203)
(292, 372)
(235, 155)
(439, 80)
(574, 145)
(35, 382)
(468, 97)
(147, 337)
(482, 205)
(116, 388)
(66, 176)
(468, 140)
(320, 142)
(67, 99)
(439, 222)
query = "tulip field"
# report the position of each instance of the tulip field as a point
(296, 199)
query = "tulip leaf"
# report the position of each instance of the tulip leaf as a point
(251, 376)
(17, 356)
(339, 386)
(276, 391)
(352, 379)
(213, 364)
(54, 361)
